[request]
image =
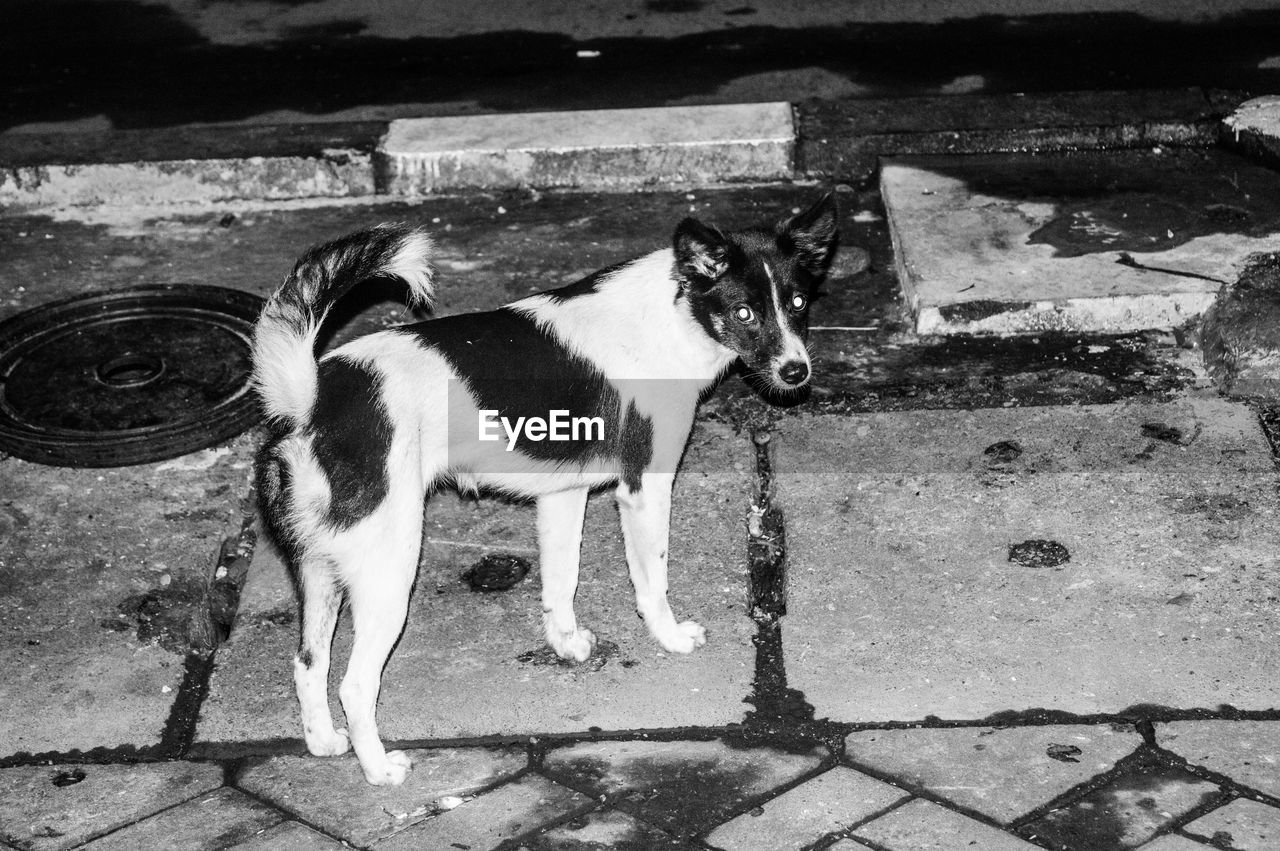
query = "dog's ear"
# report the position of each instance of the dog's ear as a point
(702, 253)
(816, 235)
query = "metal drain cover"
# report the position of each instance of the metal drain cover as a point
(127, 377)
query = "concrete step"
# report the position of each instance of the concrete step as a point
(1090, 241)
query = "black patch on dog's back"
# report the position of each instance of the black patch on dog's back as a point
(587, 286)
(516, 367)
(351, 438)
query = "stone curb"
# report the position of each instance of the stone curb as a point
(590, 149)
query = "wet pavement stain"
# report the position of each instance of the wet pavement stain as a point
(165, 615)
(604, 651)
(1003, 452)
(71, 777)
(895, 374)
(1162, 432)
(1143, 797)
(1038, 552)
(1063, 753)
(1131, 202)
(496, 572)
(682, 796)
(604, 831)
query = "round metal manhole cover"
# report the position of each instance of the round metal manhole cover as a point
(127, 377)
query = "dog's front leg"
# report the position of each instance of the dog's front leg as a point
(560, 518)
(646, 520)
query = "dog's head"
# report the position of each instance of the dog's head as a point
(751, 289)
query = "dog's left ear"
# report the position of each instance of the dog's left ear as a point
(816, 235)
(702, 253)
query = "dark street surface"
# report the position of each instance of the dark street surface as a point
(123, 64)
(494, 248)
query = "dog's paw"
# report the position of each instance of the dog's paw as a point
(392, 772)
(330, 743)
(575, 646)
(683, 637)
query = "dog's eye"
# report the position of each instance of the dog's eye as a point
(798, 302)
(744, 313)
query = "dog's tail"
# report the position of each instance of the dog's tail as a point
(284, 340)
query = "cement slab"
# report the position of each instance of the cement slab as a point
(220, 819)
(48, 808)
(1087, 241)
(103, 574)
(1142, 800)
(589, 148)
(1244, 824)
(903, 602)
(800, 817)
(921, 825)
(490, 821)
(1246, 751)
(474, 665)
(1001, 773)
(332, 795)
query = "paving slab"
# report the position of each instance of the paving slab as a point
(1242, 824)
(1113, 241)
(102, 580)
(903, 601)
(1001, 773)
(474, 664)
(1246, 751)
(1143, 799)
(684, 787)
(332, 794)
(289, 836)
(1174, 842)
(1254, 127)
(589, 148)
(61, 806)
(924, 826)
(800, 817)
(212, 821)
(486, 822)
(605, 830)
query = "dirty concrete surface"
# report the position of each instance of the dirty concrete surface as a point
(105, 581)
(762, 697)
(1162, 591)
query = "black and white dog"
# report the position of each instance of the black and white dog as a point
(361, 436)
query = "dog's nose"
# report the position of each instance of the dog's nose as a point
(794, 372)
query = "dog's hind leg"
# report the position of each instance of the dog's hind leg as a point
(646, 521)
(321, 601)
(385, 556)
(560, 518)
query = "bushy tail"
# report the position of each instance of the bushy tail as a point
(284, 360)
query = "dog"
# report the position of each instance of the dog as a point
(360, 436)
